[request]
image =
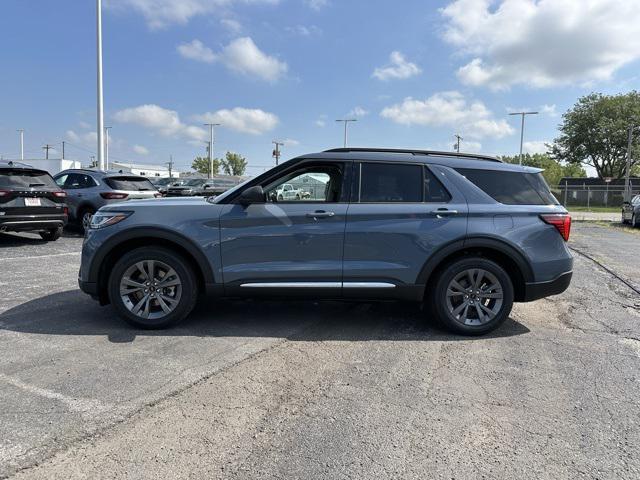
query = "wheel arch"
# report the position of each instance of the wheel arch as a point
(506, 255)
(113, 250)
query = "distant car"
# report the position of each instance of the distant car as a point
(289, 192)
(631, 212)
(89, 189)
(189, 188)
(163, 183)
(217, 186)
(30, 201)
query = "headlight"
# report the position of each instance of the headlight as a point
(105, 219)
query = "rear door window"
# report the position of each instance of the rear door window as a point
(19, 179)
(132, 184)
(434, 191)
(511, 188)
(390, 183)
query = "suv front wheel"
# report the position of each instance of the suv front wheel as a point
(152, 287)
(472, 296)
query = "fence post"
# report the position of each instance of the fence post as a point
(565, 193)
(588, 198)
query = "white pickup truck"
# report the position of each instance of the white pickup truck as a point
(288, 192)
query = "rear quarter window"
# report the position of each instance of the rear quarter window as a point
(511, 188)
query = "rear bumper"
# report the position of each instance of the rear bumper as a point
(537, 290)
(31, 223)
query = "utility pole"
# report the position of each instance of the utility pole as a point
(346, 122)
(170, 165)
(100, 98)
(276, 152)
(46, 148)
(106, 147)
(93, 161)
(211, 125)
(522, 114)
(457, 145)
(21, 130)
(63, 142)
(627, 184)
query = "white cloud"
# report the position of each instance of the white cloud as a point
(86, 138)
(449, 109)
(317, 4)
(161, 120)
(398, 68)
(290, 142)
(243, 56)
(536, 146)
(162, 13)
(195, 50)
(542, 43)
(321, 121)
(549, 110)
(84, 125)
(140, 150)
(234, 26)
(246, 120)
(304, 31)
(358, 112)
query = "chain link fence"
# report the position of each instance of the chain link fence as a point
(592, 196)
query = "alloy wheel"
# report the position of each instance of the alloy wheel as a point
(86, 220)
(150, 289)
(474, 297)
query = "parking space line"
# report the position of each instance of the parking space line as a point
(74, 404)
(40, 256)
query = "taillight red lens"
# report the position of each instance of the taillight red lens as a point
(60, 194)
(113, 195)
(4, 193)
(562, 222)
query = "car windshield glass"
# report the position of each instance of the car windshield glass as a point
(195, 182)
(135, 184)
(26, 179)
(161, 182)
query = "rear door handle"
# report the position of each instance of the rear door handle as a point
(443, 212)
(320, 214)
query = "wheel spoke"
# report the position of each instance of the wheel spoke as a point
(491, 295)
(151, 269)
(481, 316)
(144, 301)
(165, 308)
(142, 270)
(488, 311)
(459, 308)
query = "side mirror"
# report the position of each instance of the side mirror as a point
(252, 195)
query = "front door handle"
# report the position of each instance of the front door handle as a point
(444, 212)
(320, 214)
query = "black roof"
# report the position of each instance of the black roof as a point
(433, 153)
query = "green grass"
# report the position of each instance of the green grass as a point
(595, 209)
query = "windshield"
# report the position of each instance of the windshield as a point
(26, 179)
(161, 182)
(195, 182)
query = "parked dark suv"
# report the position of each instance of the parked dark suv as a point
(465, 234)
(30, 201)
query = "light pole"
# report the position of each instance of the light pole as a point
(627, 185)
(522, 114)
(21, 144)
(346, 123)
(106, 147)
(100, 129)
(276, 152)
(458, 139)
(211, 125)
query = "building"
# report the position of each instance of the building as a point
(52, 165)
(143, 169)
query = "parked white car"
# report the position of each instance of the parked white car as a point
(288, 192)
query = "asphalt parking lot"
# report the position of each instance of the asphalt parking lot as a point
(327, 390)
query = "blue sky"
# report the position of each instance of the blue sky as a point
(413, 72)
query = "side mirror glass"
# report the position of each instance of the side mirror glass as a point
(252, 195)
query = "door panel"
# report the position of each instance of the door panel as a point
(391, 241)
(288, 242)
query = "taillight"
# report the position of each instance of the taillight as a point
(60, 194)
(114, 195)
(562, 222)
(4, 193)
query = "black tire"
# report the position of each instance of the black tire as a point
(185, 274)
(438, 303)
(52, 234)
(634, 221)
(624, 221)
(87, 211)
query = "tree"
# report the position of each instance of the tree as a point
(201, 165)
(594, 132)
(234, 164)
(553, 169)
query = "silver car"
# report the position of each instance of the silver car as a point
(88, 190)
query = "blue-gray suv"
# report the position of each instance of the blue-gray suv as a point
(467, 235)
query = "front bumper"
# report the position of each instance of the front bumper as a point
(537, 290)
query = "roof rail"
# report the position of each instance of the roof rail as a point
(434, 153)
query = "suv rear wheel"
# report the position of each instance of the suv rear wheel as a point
(85, 218)
(472, 296)
(52, 234)
(152, 287)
